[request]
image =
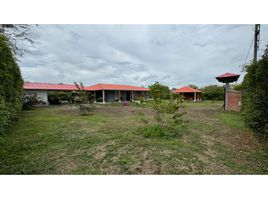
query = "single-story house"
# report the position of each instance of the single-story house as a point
(42, 89)
(102, 92)
(189, 93)
(113, 92)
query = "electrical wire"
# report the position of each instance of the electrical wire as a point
(248, 52)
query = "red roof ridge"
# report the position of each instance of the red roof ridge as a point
(186, 89)
(227, 74)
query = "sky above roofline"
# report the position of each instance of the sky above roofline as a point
(175, 55)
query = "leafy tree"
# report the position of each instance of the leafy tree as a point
(193, 86)
(158, 88)
(16, 33)
(255, 95)
(84, 100)
(213, 92)
(10, 85)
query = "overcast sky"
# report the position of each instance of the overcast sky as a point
(175, 55)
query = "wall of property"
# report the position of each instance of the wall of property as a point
(234, 98)
(41, 94)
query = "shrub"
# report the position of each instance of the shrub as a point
(156, 131)
(10, 86)
(30, 101)
(255, 95)
(55, 98)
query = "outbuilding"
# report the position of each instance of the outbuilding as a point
(189, 93)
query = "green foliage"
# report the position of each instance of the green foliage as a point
(55, 97)
(193, 86)
(84, 100)
(10, 85)
(160, 90)
(167, 113)
(238, 86)
(213, 92)
(156, 131)
(255, 95)
(30, 101)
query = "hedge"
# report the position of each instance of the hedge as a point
(11, 84)
(255, 95)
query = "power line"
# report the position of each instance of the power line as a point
(248, 52)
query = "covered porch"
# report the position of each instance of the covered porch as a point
(104, 96)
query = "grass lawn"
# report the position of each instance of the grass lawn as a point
(57, 140)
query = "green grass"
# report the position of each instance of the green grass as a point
(57, 140)
(232, 119)
(204, 104)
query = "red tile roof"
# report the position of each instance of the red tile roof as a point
(187, 90)
(69, 87)
(48, 86)
(115, 87)
(227, 75)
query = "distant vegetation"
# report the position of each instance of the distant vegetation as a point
(213, 92)
(162, 90)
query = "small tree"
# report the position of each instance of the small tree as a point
(167, 113)
(255, 95)
(84, 100)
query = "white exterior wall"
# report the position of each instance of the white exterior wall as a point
(41, 94)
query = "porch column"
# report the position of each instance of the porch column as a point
(226, 96)
(103, 96)
(195, 97)
(94, 96)
(119, 95)
(132, 96)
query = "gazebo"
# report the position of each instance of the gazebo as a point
(190, 93)
(227, 78)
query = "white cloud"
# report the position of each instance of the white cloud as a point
(175, 55)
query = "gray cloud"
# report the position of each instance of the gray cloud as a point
(175, 55)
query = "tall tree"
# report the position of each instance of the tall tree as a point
(16, 33)
(10, 85)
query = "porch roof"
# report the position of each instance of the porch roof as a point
(115, 87)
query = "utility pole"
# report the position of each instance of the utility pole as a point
(256, 41)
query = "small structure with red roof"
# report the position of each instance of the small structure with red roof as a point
(189, 93)
(232, 98)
